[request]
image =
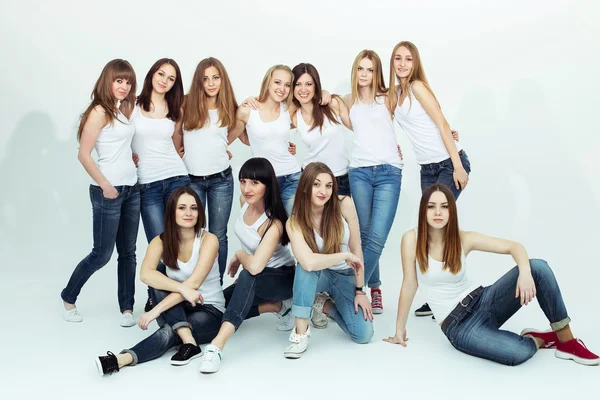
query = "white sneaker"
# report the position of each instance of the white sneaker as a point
(318, 318)
(212, 359)
(127, 320)
(72, 315)
(299, 344)
(285, 315)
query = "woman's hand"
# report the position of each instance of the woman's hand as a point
(325, 97)
(191, 295)
(251, 102)
(461, 178)
(354, 262)
(399, 338)
(109, 192)
(525, 288)
(135, 158)
(233, 267)
(292, 148)
(454, 135)
(181, 152)
(361, 300)
(147, 318)
(400, 152)
(229, 154)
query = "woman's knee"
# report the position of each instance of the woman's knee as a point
(364, 333)
(540, 268)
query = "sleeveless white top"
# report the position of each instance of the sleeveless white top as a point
(423, 133)
(270, 140)
(113, 147)
(343, 247)
(206, 148)
(211, 289)
(153, 143)
(442, 289)
(250, 239)
(374, 135)
(324, 145)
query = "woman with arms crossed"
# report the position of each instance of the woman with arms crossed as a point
(434, 259)
(114, 193)
(190, 301)
(325, 239)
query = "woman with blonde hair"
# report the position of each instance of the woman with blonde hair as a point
(325, 239)
(434, 259)
(208, 125)
(114, 192)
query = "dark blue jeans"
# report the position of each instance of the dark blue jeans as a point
(203, 320)
(219, 193)
(375, 191)
(154, 198)
(287, 186)
(242, 298)
(115, 221)
(443, 173)
(475, 329)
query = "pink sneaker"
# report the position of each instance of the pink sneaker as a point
(376, 301)
(575, 350)
(549, 337)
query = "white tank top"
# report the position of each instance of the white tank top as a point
(423, 133)
(442, 289)
(113, 147)
(325, 145)
(343, 246)
(270, 140)
(374, 135)
(250, 239)
(153, 143)
(206, 148)
(211, 289)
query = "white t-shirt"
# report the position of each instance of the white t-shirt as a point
(343, 246)
(206, 148)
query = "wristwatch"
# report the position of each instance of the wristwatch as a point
(360, 289)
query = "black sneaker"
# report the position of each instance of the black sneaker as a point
(107, 364)
(149, 304)
(424, 311)
(186, 353)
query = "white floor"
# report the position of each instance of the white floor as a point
(43, 354)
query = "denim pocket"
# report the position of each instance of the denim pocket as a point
(393, 171)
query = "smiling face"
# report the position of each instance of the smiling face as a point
(186, 213)
(164, 79)
(322, 189)
(403, 62)
(304, 90)
(211, 81)
(437, 210)
(121, 88)
(279, 87)
(252, 190)
(365, 72)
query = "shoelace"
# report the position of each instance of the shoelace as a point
(74, 312)
(186, 350)
(296, 338)
(111, 363)
(376, 299)
(210, 354)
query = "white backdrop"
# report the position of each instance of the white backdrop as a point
(517, 79)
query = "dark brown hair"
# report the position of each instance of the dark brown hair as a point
(174, 96)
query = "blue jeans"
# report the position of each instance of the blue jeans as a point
(288, 185)
(219, 193)
(203, 320)
(115, 221)
(341, 286)
(443, 173)
(154, 198)
(376, 192)
(475, 329)
(242, 298)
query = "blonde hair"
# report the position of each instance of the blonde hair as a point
(266, 82)
(416, 74)
(378, 84)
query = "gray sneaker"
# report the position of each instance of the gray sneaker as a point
(318, 318)
(298, 345)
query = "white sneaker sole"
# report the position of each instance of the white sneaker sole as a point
(99, 366)
(377, 310)
(527, 331)
(186, 362)
(423, 313)
(208, 371)
(293, 356)
(583, 361)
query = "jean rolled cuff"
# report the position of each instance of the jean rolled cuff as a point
(557, 326)
(135, 357)
(233, 318)
(301, 311)
(183, 324)
(374, 285)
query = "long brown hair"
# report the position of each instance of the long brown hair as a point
(417, 74)
(174, 97)
(102, 94)
(452, 248)
(332, 228)
(195, 108)
(378, 84)
(319, 112)
(171, 237)
(266, 82)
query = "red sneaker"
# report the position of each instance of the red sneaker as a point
(575, 350)
(376, 301)
(549, 337)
